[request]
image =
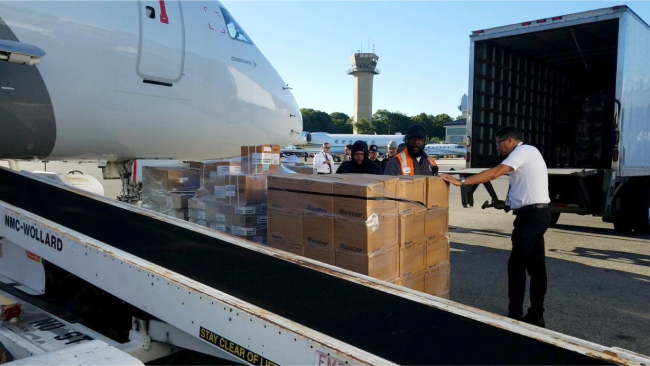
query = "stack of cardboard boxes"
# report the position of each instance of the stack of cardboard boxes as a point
(390, 228)
(424, 240)
(167, 189)
(232, 197)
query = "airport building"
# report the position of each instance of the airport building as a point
(456, 131)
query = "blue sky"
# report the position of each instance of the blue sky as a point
(423, 46)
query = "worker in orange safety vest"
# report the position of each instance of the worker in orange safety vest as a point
(413, 161)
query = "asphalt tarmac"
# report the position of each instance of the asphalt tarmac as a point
(598, 280)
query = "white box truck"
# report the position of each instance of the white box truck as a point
(578, 87)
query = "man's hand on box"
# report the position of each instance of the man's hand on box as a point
(451, 179)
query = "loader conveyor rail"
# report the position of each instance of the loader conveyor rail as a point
(386, 325)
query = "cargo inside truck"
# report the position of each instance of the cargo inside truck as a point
(557, 86)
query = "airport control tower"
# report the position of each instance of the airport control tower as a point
(364, 68)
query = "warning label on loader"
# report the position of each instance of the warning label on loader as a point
(234, 349)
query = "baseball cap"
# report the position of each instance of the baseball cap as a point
(373, 148)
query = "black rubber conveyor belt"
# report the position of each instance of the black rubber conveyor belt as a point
(391, 327)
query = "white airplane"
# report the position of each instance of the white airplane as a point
(119, 81)
(313, 142)
(445, 149)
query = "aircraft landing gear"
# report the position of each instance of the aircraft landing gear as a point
(123, 170)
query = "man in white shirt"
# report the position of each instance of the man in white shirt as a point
(323, 161)
(528, 198)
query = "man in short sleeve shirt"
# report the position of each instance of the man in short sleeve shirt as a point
(528, 198)
(323, 160)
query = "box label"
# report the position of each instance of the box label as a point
(228, 170)
(261, 158)
(218, 226)
(220, 191)
(230, 190)
(244, 231)
(243, 210)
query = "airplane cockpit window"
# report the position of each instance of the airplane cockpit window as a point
(235, 31)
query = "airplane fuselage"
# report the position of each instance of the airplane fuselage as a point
(137, 79)
(315, 140)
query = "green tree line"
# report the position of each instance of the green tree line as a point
(383, 122)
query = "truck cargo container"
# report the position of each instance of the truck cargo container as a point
(578, 87)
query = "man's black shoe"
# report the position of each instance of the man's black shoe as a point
(537, 320)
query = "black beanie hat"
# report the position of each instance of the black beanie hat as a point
(360, 146)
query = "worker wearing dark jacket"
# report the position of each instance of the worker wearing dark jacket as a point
(360, 163)
(412, 161)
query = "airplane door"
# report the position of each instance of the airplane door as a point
(161, 51)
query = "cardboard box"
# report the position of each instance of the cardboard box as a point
(389, 182)
(436, 222)
(235, 209)
(170, 178)
(444, 295)
(411, 191)
(250, 151)
(325, 255)
(285, 226)
(412, 258)
(203, 202)
(246, 231)
(302, 193)
(246, 220)
(319, 194)
(210, 213)
(360, 196)
(182, 214)
(285, 200)
(437, 192)
(437, 280)
(414, 281)
(412, 227)
(365, 236)
(437, 251)
(295, 248)
(179, 200)
(215, 170)
(242, 189)
(383, 264)
(261, 159)
(359, 208)
(318, 231)
(219, 226)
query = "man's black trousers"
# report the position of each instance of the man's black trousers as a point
(528, 256)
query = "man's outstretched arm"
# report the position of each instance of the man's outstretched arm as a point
(482, 177)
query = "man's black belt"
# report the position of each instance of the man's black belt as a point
(530, 207)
